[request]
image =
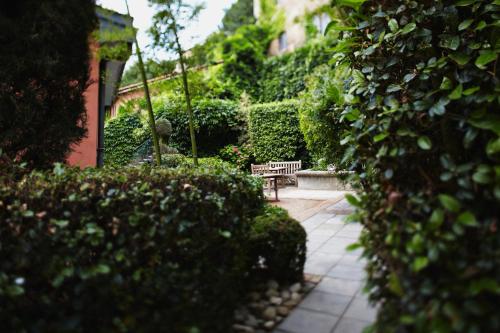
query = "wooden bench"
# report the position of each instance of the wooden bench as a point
(290, 169)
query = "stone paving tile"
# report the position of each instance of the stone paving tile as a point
(319, 263)
(341, 207)
(360, 309)
(337, 304)
(346, 272)
(338, 286)
(334, 304)
(349, 325)
(336, 220)
(336, 245)
(352, 260)
(348, 233)
(305, 321)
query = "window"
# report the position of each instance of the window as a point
(283, 41)
(321, 21)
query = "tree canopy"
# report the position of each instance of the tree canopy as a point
(44, 66)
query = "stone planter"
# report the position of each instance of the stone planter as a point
(322, 180)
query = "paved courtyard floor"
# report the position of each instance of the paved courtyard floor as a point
(337, 304)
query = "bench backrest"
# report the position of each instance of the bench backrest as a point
(260, 169)
(291, 167)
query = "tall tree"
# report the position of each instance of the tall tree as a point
(239, 14)
(172, 17)
(44, 71)
(147, 95)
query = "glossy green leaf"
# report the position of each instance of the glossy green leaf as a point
(465, 24)
(408, 28)
(353, 200)
(485, 58)
(393, 25)
(460, 58)
(456, 93)
(449, 202)
(468, 219)
(424, 142)
(420, 263)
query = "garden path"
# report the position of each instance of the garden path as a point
(337, 304)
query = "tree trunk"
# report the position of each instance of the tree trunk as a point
(151, 116)
(194, 147)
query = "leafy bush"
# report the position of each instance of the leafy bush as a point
(241, 156)
(283, 77)
(44, 72)
(216, 124)
(274, 132)
(122, 136)
(320, 116)
(425, 116)
(243, 55)
(119, 251)
(277, 246)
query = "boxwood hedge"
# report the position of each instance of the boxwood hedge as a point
(133, 250)
(277, 246)
(275, 133)
(425, 116)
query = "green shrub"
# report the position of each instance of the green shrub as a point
(173, 160)
(134, 250)
(320, 115)
(425, 127)
(278, 246)
(44, 70)
(243, 55)
(240, 156)
(122, 136)
(284, 77)
(274, 132)
(216, 124)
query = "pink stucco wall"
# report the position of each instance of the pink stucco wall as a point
(85, 153)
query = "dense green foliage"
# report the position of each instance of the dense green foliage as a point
(274, 132)
(278, 246)
(240, 13)
(320, 116)
(127, 250)
(425, 124)
(122, 136)
(283, 77)
(44, 73)
(217, 124)
(153, 69)
(243, 55)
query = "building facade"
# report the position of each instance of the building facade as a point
(294, 34)
(105, 76)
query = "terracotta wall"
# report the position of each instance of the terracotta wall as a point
(85, 153)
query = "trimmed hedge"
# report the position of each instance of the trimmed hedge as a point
(425, 116)
(217, 124)
(274, 132)
(133, 250)
(277, 246)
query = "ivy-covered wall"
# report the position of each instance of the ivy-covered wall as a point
(274, 132)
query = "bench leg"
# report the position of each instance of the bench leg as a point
(276, 189)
